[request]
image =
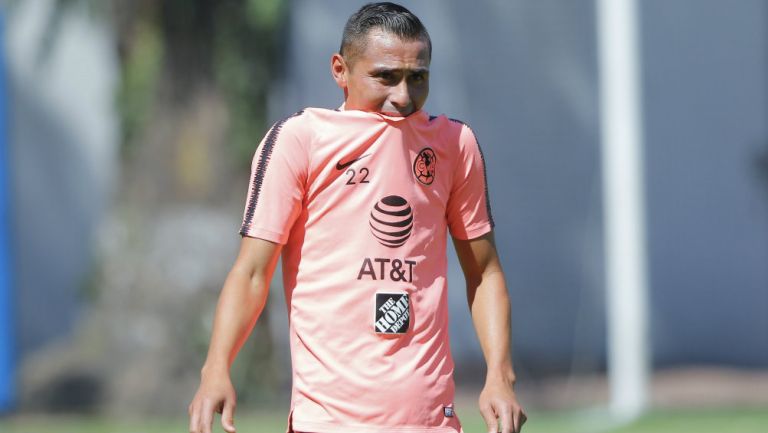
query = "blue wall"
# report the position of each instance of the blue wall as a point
(7, 342)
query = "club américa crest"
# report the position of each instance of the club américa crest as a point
(424, 166)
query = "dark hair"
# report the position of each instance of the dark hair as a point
(389, 17)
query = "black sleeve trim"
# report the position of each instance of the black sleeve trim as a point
(260, 171)
(485, 174)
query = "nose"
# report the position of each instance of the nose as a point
(400, 95)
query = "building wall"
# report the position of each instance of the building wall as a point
(63, 149)
(524, 75)
(707, 179)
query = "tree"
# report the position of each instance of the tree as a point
(194, 82)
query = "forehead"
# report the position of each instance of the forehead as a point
(386, 49)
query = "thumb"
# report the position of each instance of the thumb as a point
(228, 416)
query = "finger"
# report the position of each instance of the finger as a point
(522, 418)
(228, 416)
(517, 421)
(490, 418)
(206, 418)
(194, 419)
(506, 420)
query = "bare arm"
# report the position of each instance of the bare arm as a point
(489, 305)
(241, 302)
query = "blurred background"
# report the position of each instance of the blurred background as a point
(127, 129)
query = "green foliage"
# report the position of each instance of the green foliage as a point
(171, 53)
(177, 47)
(139, 80)
(245, 63)
(263, 13)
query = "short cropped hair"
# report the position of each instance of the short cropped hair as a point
(386, 16)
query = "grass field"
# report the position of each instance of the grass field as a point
(693, 421)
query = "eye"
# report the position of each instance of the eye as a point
(418, 77)
(387, 77)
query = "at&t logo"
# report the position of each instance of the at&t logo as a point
(392, 221)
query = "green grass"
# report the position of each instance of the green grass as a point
(711, 421)
(693, 421)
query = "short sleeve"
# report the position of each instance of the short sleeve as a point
(277, 183)
(469, 208)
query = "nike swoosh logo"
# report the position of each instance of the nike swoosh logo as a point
(342, 165)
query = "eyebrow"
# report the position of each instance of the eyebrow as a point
(382, 69)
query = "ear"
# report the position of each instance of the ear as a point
(339, 70)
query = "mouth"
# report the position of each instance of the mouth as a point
(397, 112)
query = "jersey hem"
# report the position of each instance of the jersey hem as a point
(474, 233)
(302, 426)
(267, 235)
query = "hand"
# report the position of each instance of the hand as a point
(216, 393)
(499, 403)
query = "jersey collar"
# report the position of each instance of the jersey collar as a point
(414, 115)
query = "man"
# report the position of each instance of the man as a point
(358, 201)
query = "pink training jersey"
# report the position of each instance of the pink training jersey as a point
(362, 203)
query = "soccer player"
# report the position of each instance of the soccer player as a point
(359, 201)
